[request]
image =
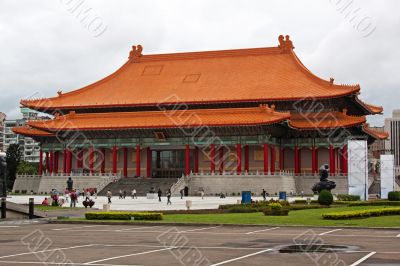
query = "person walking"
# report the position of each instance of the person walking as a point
(109, 195)
(74, 199)
(124, 194)
(202, 194)
(159, 193)
(264, 194)
(87, 195)
(169, 197)
(120, 194)
(134, 193)
(181, 191)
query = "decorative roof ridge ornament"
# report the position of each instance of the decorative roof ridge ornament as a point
(136, 53)
(331, 80)
(59, 93)
(285, 44)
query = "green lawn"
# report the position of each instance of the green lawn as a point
(303, 217)
(55, 208)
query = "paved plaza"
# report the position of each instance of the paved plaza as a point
(118, 245)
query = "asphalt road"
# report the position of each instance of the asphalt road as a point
(112, 245)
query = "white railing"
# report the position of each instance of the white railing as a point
(243, 174)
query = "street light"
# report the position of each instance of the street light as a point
(3, 174)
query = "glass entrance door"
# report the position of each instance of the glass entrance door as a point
(168, 163)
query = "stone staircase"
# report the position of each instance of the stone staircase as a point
(142, 185)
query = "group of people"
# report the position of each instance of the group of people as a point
(70, 196)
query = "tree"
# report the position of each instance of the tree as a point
(13, 158)
(27, 168)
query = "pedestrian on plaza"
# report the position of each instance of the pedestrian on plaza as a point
(120, 194)
(74, 199)
(202, 193)
(181, 192)
(124, 194)
(169, 197)
(302, 193)
(66, 194)
(264, 194)
(109, 195)
(134, 193)
(78, 193)
(87, 195)
(159, 194)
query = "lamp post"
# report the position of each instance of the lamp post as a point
(3, 174)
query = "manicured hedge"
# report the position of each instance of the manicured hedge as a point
(347, 197)
(394, 196)
(304, 201)
(114, 215)
(306, 207)
(376, 203)
(325, 198)
(360, 214)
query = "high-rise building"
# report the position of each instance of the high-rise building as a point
(392, 144)
(2, 119)
(30, 148)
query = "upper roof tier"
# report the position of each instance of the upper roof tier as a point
(243, 75)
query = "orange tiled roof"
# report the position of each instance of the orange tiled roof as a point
(375, 133)
(242, 75)
(324, 120)
(34, 132)
(262, 115)
(373, 109)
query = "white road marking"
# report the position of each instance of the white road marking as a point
(47, 250)
(136, 228)
(398, 235)
(128, 255)
(63, 263)
(8, 226)
(69, 228)
(199, 229)
(268, 229)
(363, 258)
(242, 257)
(331, 231)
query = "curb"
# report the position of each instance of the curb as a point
(214, 224)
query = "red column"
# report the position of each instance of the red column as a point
(187, 160)
(148, 164)
(239, 158)
(313, 162)
(331, 160)
(125, 162)
(282, 160)
(316, 161)
(196, 160)
(273, 157)
(114, 159)
(212, 154)
(137, 160)
(51, 161)
(55, 164)
(79, 161)
(69, 158)
(65, 161)
(266, 158)
(91, 160)
(221, 159)
(345, 163)
(246, 158)
(40, 161)
(103, 161)
(296, 160)
(47, 161)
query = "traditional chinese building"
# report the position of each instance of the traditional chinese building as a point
(231, 111)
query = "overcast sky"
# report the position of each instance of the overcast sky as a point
(45, 46)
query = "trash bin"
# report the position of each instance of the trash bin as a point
(246, 197)
(282, 195)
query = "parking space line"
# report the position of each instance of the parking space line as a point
(331, 231)
(68, 228)
(136, 228)
(242, 257)
(8, 226)
(47, 250)
(363, 259)
(398, 235)
(128, 255)
(63, 263)
(268, 229)
(199, 229)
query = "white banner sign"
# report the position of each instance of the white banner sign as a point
(387, 175)
(358, 168)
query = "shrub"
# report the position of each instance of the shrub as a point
(394, 196)
(376, 203)
(306, 207)
(304, 201)
(361, 214)
(275, 206)
(243, 209)
(280, 212)
(325, 198)
(347, 197)
(123, 215)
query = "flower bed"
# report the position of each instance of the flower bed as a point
(361, 214)
(123, 216)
